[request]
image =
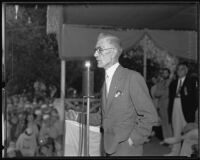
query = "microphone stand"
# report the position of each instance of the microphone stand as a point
(88, 125)
(88, 98)
(4, 125)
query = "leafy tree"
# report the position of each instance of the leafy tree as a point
(30, 52)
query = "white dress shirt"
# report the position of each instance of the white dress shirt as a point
(109, 74)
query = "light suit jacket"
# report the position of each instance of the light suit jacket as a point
(127, 112)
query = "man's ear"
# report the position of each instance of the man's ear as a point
(114, 53)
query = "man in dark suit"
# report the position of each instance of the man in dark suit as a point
(127, 113)
(182, 103)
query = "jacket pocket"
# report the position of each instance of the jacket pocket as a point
(110, 142)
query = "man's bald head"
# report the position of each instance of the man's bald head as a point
(111, 39)
(107, 50)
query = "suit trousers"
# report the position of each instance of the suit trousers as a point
(163, 110)
(178, 123)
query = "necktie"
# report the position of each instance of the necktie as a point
(179, 88)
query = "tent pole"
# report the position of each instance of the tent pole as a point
(3, 43)
(145, 63)
(62, 95)
(4, 122)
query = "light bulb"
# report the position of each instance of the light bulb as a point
(16, 11)
(29, 20)
(87, 64)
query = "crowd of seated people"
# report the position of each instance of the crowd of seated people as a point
(33, 126)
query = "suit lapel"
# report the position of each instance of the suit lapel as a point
(185, 82)
(175, 87)
(183, 87)
(113, 87)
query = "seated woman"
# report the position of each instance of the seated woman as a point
(189, 138)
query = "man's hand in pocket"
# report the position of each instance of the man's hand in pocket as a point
(130, 142)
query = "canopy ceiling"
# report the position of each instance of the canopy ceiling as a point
(135, 16)
(79, 41)
(166, 17)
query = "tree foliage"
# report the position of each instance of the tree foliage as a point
(30, 52)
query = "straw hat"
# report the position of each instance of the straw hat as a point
(45, 116)
(38, 112)
(50, 105)
(27, 106)
(44, 106)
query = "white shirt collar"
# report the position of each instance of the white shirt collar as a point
(110, 71)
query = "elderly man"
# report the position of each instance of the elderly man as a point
(127, 114)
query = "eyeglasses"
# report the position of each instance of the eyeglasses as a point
(100, 50)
